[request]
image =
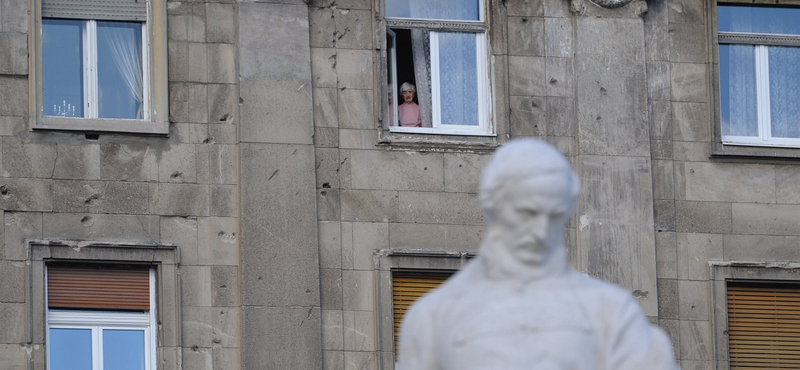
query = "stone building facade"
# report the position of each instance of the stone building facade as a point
(273, 201)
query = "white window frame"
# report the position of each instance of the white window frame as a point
(485, 125)
(97, 321)
(155, 80)
(761, 42)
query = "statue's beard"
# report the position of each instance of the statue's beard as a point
(524, 260)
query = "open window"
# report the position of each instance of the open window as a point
(437, 51)
(759, 51)
(100, 66)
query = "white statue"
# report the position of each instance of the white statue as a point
(518, 305)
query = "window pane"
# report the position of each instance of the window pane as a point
(736, 18)
(784, 91)
(123, 349)
(737, 85)
(62, 67)
(467, 10)
(119, 69)
(70, 349)
(458, 80)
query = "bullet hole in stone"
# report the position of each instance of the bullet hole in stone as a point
(308, 290)
(223, 286)
(326, 185)
(221, 312)
(260, 278)
(533, 104)
(691, 170)
(224, 117)
(599, 118)
(323, 193)
(92, 136)
(602, 90)
(206, 140)
(3, 190)
(241, 100)
(524, 20)
(459, 166)
(426, 168)
(86, 219)
(195, 349)
(553, 81)
(216, 341)
(221, 233)
(176, 175)
(90, 199)
(692, 306)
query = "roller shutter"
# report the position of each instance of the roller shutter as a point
(120, 10)
(764, 326)
(101, 287)
(409, 286)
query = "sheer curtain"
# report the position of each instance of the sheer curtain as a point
(125, 47)
(420, 48)
(742, 115)
(784, 91)
(458, 82)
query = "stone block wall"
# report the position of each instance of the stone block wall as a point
(180, 190)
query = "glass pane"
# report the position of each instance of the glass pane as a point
(466, 10)
(737, 85)
(62, 67)
(119, 69)
(123, 349)
(737, 18)
(70, 349)
(458, 80)
(784, 91)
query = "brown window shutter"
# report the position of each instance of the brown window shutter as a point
(764, 326)
(98, 287)
(407, 287)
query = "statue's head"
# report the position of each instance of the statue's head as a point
(527, 193)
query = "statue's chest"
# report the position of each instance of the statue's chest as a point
(546, 330)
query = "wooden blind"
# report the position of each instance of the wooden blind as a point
(110, 288)
(407, 287)
(764, 326)
(121, 10)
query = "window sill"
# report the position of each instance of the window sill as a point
(755, 153)
(103, 125)
(438, 141)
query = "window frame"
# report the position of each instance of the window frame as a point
(154, 54)
(762, 145)
(723, 272)
(163, 261)
(97, 321)
(390, 261)
(487, 125)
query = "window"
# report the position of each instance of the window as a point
(438, 51)
(100, 315)
(759, 50)
(407, 287)
(101, 66)
(762, 325)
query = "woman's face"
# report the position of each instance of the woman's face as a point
(408, 96)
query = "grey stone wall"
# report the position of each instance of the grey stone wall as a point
(283, 197)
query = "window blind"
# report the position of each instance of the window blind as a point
(764, 326)
(121, 10)
(101, 287)
(407, 287)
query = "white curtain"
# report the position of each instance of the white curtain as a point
(784, 91)
(420, 48)
(458, 82)
(742, 113)
(126, 51)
